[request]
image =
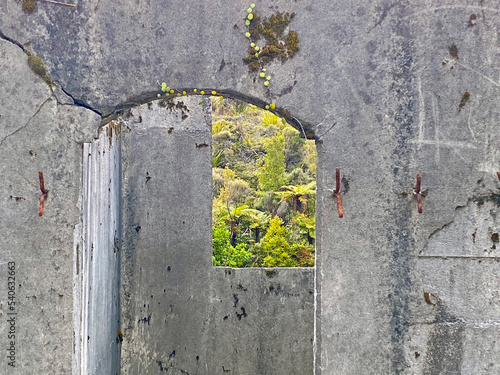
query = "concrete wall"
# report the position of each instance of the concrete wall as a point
(40, 131)
(181, 314)
(381, 85)
(378, 265)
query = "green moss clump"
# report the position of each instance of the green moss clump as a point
(36, 64)
(292, 43)
(274, 26)
(38, 67)
(278, 46)
(29, 6)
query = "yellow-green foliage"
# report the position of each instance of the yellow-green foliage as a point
(272, 174)
(261, 171)
(218, 126)
(275, 248)
(271, 119)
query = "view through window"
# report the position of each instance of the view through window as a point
(263, 189)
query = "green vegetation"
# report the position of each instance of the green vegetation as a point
(263, 189)
(37, 65)
(277, 44)
(29, 6)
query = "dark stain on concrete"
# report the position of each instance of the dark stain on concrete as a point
(242, 315)
(453, 50)
(463, 102)
(146, 319)
(444, 350)
(399, 235)
(495, 238)
(271, 273)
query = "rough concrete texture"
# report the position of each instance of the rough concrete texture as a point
(390, 89)
(262, 321)
(180, 314)
(414, 290)
(97, 265)
(38, 134)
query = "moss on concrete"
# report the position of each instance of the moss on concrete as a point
(37, 65)
(278, 46)
(29, 6)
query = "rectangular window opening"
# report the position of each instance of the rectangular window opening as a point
(263, 189)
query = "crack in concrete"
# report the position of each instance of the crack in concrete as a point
(113, 112)
(476, 198)
(116, 111)
(468, 257)
(442, 227)
(13, 41)
(77, 102)
(319, 138)
(27, 123)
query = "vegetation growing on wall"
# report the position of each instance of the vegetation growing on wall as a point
(263, 189)
(37, 65)
(28, 5)
(277, 45)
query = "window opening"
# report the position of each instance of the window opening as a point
(263, 189)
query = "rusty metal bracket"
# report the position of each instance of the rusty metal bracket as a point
(418, 193)
(336, 193)
(43, 197)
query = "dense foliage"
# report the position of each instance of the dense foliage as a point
(263, 191)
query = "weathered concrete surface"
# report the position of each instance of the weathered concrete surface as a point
(393, 76)
(377, 265)
(166, 205)
(108, 57)
(38, 134)
(97, 263)
(180, 314)
(262, 321)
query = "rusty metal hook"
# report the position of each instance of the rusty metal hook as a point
(336, 193)
(418, 193)
(43, 197)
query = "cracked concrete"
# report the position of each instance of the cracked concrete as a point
(38, 134)
(25, 125)
(376, 85)
(62, 96)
